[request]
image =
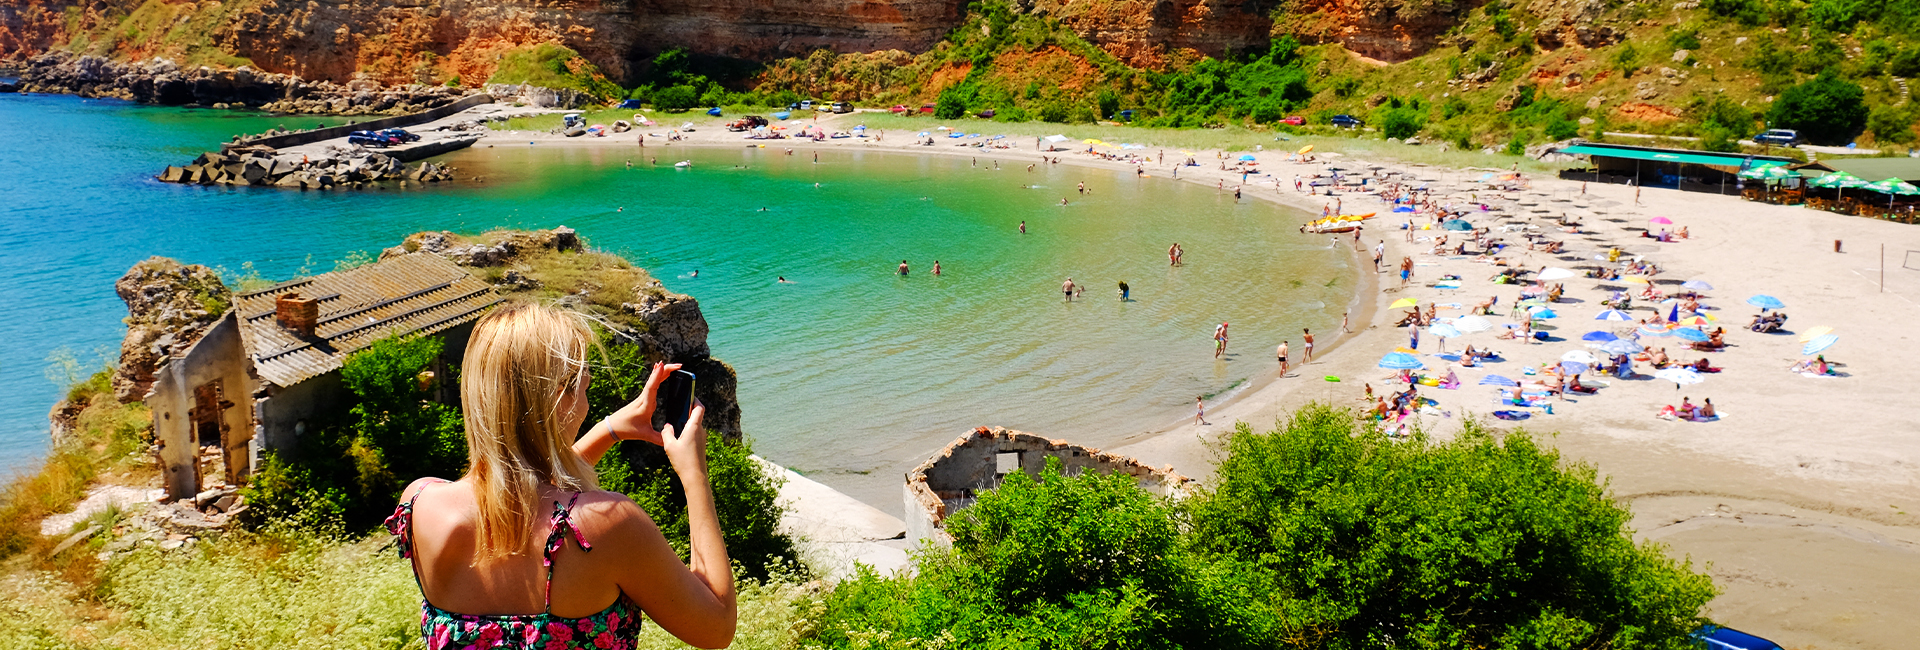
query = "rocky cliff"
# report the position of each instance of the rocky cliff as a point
(169, 306)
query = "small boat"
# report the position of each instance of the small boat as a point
(684, 164)
(715, 111)
(782, 115)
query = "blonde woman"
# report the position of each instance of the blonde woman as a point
(524, 551)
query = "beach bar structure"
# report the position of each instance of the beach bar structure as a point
(1872, 170)
(270, 367)
(1683, 169)
(980, 459)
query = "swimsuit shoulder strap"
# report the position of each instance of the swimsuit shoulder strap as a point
(561, 524)
(400, 524)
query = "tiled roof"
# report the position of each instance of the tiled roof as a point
(417, 293)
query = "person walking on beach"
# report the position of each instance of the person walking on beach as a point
(1219, 340)
(1379, 253)
(1200, 410)
(1123, 290)
(1343, 321)
(1406, 270)
(1282, 354)
(1066, 289)
(903, 267)
(1413, 335)
(1306, 355)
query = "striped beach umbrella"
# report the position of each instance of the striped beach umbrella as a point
(1599, 337)
(1679, 377)
(1691, 334)
(1653, 330)
(1497, 380)
(1400, 361)
(1697, 285)
(1614, 315)
(1819, 344)
(1620, 346)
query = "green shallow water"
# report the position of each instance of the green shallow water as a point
(851, 374)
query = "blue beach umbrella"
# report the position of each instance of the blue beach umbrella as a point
(1674, 316)
(1819, 344)
(1697, 285)
(1443, 330)
(1764, 301)
(1620, 346)
(1679, 376)
(1460, 225)
(1400, 361)
(1574, 367)
(1614, 315)
(1543, 313)
(1599, 337)
(1653, 330)
(1691, 334)
(1497, 380)
(1246, 156)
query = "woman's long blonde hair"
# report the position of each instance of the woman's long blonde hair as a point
(520, 360)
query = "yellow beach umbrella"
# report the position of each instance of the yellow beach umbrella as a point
(1815, 333)
(1694, 320)
(1406, 350)
(1635, 279)
(1403, 302)
(1306, 149)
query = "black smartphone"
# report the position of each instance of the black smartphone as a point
(673, 403)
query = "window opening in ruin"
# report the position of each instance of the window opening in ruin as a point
(1006, 462)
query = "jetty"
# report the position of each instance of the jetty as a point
(325, 159)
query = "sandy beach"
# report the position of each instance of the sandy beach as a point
(1802, 501)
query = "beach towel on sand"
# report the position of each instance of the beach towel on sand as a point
(1512, 415)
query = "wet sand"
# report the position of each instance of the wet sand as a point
(1803, 502)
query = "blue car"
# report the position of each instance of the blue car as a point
(371, 139)
(630, 104)
(1345, 121)
(399, 135)
(1726, 638)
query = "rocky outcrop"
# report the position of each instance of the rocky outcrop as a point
(169, 306)
(341, 167)
(1386, 30)
(161, 81)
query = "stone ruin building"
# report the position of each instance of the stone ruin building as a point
(980, 459)
(252, 381)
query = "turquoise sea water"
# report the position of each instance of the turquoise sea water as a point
(851, 374)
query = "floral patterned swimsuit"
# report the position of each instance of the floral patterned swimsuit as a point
(614, 628)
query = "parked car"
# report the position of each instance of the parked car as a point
(1294, 120)
(926, 108)
(370, 139)
(400, 135)
(1714, 637)
(1345, 121)
(842, 107)
(1779, 137)
(986, 114)
(633, 104)
(1125, 116)
(898, 108)
(806, 105)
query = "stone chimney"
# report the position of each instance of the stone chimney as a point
(299, 315)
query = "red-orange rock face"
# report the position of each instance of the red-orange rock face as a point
(1387, 30)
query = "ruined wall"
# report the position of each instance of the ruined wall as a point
(979, 459)
(217, 355)
(169, 305)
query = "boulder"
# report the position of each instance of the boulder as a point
(169, 306)
(173, 174)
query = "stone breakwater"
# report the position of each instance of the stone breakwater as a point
(161, 81)
(343, 168)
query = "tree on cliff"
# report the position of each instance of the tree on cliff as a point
(1825, 110)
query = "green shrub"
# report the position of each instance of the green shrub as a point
(551, 65)
(676, 98)
(1476, 542)
(1517, 146)
(1402, 122)
(1826, 110)
(1891, 125)
(1626, 59)
(1562, 128)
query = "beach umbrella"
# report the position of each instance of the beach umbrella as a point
(1542, 313)
(1555, 273)
(1675, 314)
(1306, 149)
(1400, 361)
(1697, 285)
(1636, 279)
(1694, 321)
(1443, 330)
(1497, 380)
(1599, 337)
(1764, 301)
(1691, 334)
(1620, 346)
(1819, 344)
(1614, 315)
(1838, 180)
(1246, 156)
(1679, 377)
(1893, 187)
(1653, 330)
(1814, 333)
(1574, 367)
(1580, 356)
(1471, 324)
(1661, 220)
(1403, 302)
(1051, 138)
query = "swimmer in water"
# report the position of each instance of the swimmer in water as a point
(694, 274)
(783, 280)
(1066, 288)
(1063, 201)
(936, 267)
(1023, 227)
(903, 267)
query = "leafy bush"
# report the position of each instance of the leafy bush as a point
(1891, 125)
(676, 98)
(1826, 110)
(1477, 542)
(1401, 120)
(1627, 59)
(952, 103)
(1323, 533)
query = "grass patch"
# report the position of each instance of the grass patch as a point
(551, 65)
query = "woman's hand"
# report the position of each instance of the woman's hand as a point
(635, 420)
(687, 450)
